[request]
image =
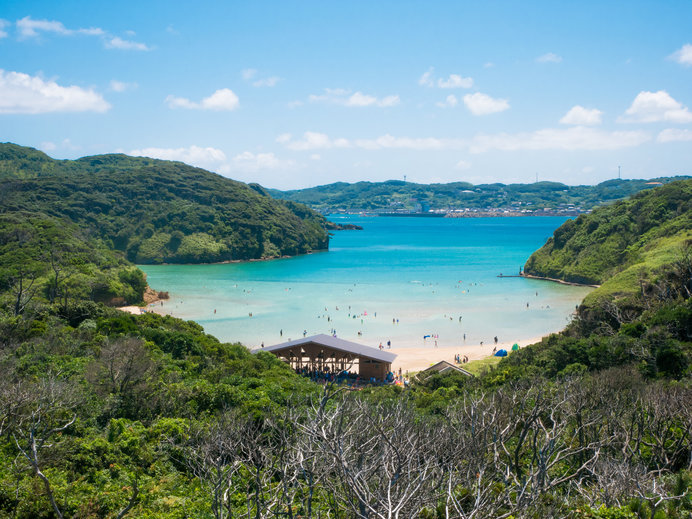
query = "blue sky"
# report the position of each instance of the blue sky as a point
(297, 94)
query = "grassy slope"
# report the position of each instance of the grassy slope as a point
(640, 250)
(616, 245)
(158, 211)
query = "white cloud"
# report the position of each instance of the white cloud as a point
(3, 25)
(119, 43)
(426, 79)
(22, 93)
(312, 141)
(455, 81)
(567, 139)
(450, 102)
(582, 116)
(315, 156)
(223, 99)
(651, 107)
(570, 139)
(482, 104)
(488, 64)
(249, 74)
(30, 28)
(267, 82)
(208, 158)
(340, 96)
(316, 141)
(549, 57)
(674, 135)
(121, 86)
(683, 55)
(463, 165)
(389, 142)
(251, 162)
(51, 146)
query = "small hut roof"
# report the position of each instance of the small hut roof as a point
(336, 344)
(444, 366)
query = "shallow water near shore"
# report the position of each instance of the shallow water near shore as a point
(400, 279)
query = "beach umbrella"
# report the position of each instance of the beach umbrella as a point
(515, 347)
(501, 353)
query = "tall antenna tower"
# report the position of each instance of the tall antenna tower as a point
(404, 178)
(619, 173)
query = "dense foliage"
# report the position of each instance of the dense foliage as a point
(643, 232)
(107, 414)
(104, 413)
(93, 401)
(641, 250)
(43, 258)
(158, 211)
(396, 195)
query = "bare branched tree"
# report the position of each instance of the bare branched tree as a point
(384, 458)
(214, 456)
(47, 413)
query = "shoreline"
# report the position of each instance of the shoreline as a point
(229, 262)
(555, 280)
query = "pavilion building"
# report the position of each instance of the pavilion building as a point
(319, 352)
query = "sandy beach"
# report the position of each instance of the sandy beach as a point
(413, 358)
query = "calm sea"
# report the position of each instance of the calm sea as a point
(397, 280)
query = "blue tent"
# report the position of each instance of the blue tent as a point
(501, 353)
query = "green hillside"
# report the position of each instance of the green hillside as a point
(618, 244)
(640, 251)
(47, 259)
(158, 211)
(398, 195)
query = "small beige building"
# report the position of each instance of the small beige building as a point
(318, 352)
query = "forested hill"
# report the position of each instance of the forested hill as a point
(158, 211)
(620, 243)
(397, 195)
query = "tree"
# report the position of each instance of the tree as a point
(122, 370)
(214, 456)
(48, 412)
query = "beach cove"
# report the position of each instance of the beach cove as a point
(425, 288)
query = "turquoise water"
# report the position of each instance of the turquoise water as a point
(425, 273)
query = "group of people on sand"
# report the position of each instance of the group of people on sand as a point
(461, 360)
